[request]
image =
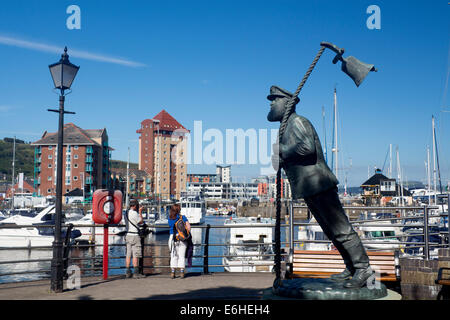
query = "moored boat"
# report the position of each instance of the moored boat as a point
(249, 245)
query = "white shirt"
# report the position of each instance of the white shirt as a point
(134, 218)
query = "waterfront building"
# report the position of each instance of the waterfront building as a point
(163, 154)
(86, 161)
(25, 188)
(378, 189)
(140, 183)
(205, 178)
(223, 174)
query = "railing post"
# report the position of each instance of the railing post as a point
(205, 250)
(291, 235)
(426, 248)
(141, 259)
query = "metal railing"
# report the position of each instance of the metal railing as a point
(423, 230)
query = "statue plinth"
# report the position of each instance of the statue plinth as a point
(326, 289)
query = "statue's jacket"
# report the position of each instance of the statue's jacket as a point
(303, 160)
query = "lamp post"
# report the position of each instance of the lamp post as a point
(63, 74)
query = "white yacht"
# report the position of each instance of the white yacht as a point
(157, 222)
(249, 245)
(380, 234)
(194, 208)
(28, 235)
(313, 232)
(95, 234)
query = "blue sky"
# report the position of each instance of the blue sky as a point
(215, 61)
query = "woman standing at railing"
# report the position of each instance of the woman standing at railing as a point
(177, 247)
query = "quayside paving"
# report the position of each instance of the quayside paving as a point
(245, 286)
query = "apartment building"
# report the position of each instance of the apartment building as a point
(163, 154)
(86, 160)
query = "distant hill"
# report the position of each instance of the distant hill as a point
(24, 158)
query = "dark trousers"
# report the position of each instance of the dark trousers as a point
(327, 209)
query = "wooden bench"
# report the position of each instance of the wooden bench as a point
(322, 264)
(443, 277)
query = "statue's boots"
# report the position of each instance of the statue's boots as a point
(360, 262)
(344, 275)
(349, 270)
(360, 278)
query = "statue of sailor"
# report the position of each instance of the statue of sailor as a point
(310, 178)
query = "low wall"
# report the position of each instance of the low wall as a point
(418, 277)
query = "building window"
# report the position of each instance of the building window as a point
(75, 165)
(75, 156)
(50, 147)
(49, 178)
(49, 190)
(75, 147)
(49, 165)
(50, 156)
(75, 178)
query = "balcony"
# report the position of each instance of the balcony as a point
(89, 149)
(37, 169)
(89, 159)
(89, 168)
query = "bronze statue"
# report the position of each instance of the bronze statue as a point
(310, 178)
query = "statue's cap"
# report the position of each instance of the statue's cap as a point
(280, 92)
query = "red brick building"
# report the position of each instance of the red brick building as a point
(27, 188)
(162, 154)
(86, 161)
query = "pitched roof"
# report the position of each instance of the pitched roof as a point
(167, 122)
(77, 192)
(375, 180)
(72, 135)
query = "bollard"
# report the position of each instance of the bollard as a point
(205, 250)
(426, 248)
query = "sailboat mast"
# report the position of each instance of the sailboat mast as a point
(429, 175)
(324, 134)
(434, 161)
(335, 135)
(390, 161)
(13, 170)
(399, 175)
(127, 197)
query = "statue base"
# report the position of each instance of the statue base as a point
(326, 289)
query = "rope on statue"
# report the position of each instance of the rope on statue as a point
(278, 283)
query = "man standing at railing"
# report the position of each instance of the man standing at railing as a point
(311, 178)
(133, 240)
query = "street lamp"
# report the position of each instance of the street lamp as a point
(63, 73)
